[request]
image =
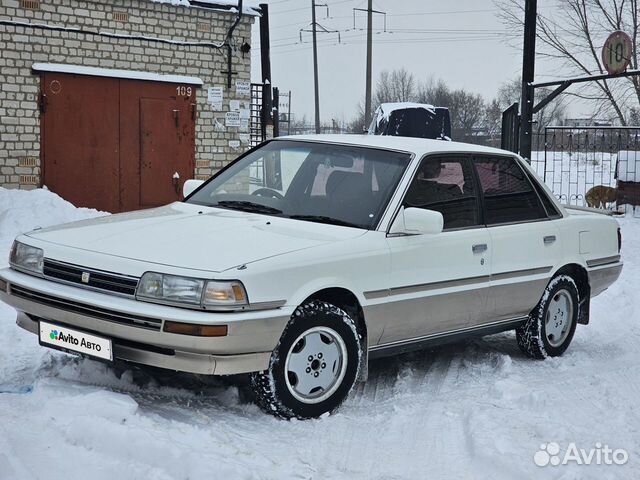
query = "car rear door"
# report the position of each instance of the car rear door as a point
(438, 283)
(525, 239)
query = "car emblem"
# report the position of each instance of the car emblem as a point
(85, 277)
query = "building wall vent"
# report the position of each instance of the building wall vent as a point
(30, 4)
(120, 16)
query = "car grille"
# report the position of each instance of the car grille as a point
(111, 282)
(85, 309)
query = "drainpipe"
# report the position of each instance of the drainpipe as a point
(228, 42)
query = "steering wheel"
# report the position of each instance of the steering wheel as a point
(268, 192)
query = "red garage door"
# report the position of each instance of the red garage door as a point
(116, 144)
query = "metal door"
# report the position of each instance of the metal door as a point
(80, 139)
(164, 165)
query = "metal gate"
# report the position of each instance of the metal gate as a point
(574, 160)
(511, 129)
(116, 144)
(256, 129)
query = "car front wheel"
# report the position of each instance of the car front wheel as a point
(550, 327)
(315, 365)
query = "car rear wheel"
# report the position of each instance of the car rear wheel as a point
(551, 325)
(315, 365)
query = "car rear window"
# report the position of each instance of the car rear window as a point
(509, 196)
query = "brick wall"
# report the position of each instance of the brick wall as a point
(23, 46)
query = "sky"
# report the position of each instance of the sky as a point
(462, 42)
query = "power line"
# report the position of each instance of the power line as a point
(411, 31)
(346, 42)
(453, 36)
(451, 12)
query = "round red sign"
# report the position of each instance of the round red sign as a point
(616, 52)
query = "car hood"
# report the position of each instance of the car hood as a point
(193, 236)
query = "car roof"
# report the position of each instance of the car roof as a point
(419, 146)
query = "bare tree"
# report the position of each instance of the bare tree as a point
(395, 86)
(466, 109)
(554, 113)
(358, 123)
(574, 33)
(493, 119)
(434, 92)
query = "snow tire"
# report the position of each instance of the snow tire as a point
(271, 389)
(532, 336)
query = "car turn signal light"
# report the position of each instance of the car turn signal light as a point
(195, 329)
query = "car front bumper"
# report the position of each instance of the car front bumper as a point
(247, 347)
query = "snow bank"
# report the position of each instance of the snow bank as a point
(22, 211)
(477, 410)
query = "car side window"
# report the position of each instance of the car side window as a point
(508, 194)
(445, 184)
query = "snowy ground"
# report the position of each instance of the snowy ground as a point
(479, 409)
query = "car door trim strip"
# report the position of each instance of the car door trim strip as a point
(424, 287)
(520, 273)
(463, 282)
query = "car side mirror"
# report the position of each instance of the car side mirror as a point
(190, 186)
(417, 221)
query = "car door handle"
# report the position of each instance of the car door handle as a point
(549, 239)
(479, 248)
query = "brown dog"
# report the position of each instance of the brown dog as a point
(599, 196)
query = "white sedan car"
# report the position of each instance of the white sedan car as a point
(309, 255)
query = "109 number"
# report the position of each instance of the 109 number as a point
(184, 91)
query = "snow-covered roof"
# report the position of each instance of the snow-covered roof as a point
(249, 7)
(107, 72)
(406, 144)
(390, 107)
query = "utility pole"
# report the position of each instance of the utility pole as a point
(367, 98)
(266, 117)
(370, 11)
(314, 27)
(528, 74)
(315, 64)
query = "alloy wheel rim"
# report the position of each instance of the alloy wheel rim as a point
(315, 365)
(558, 318)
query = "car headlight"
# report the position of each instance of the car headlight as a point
(164, 288)
(27, 258)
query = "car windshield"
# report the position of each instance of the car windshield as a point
(317, 182)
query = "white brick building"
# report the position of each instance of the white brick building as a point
(97, 135)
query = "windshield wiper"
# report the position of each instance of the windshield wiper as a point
(325, 219)
(247, 206)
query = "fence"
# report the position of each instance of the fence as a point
(574, 160)
(310, 129)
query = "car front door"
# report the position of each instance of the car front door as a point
(525, 239)
(438, 282)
